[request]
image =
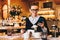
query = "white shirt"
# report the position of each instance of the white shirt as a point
(33, 20)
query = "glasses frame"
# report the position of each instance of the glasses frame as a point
(34, 9)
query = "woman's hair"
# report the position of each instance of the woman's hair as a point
(34, 4)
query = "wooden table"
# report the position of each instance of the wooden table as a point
(10, 27)
(7, 28)
(20, 38)
(10, 38)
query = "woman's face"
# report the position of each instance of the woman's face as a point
(34, 9)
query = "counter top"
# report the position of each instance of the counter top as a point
(9, 27)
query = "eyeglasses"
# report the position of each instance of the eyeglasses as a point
(34, 9)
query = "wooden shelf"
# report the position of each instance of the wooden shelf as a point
(47, 13)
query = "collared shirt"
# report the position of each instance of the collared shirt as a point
(33, 20)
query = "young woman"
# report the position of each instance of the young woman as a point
(33, 21)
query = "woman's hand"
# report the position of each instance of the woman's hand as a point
(41, 24)
(34, 26)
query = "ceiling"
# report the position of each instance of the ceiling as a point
(56, 1)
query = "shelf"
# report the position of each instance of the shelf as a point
(48, 16)
(46, 12)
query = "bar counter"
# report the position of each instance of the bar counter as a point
(19, 38)
(10, 27)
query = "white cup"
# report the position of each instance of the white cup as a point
(28, 31)
(26, 35)
(37, 35)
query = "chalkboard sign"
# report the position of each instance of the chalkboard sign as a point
(47, 5)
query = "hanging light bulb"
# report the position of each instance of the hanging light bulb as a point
(47, 0)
